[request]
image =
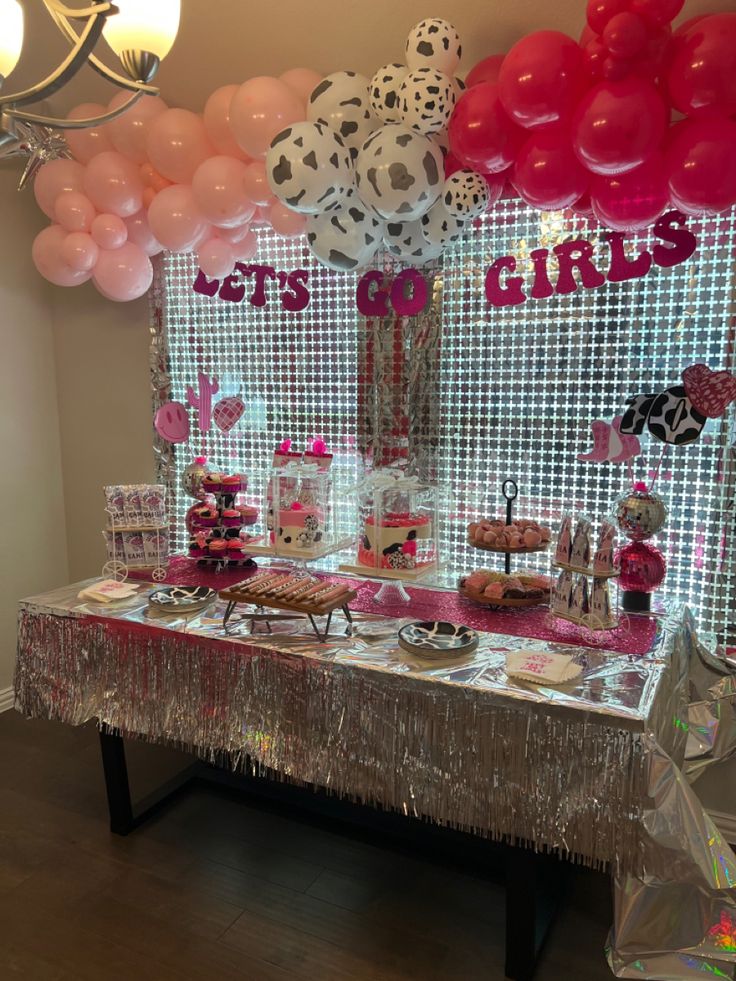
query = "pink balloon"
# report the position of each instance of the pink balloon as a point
(74, 211)
(80, 251)
(216, 258)
(46, 253)
(702, 71)
(172, 424)
(233, 235)
(208, 232)
(149, 196)
(286, 222)
(87, 143)
(260, 109)
(701, 165)
(256, 186)
(128, 132)
(139, 232)
(219, 190)
(216, 119)
(546, 172)
(113, 184)
(175, 219)
(176, 144)
(486, 70)
(618, 125)
(246, 249)
(541, 78)
(53, 179)
(599, 12)
(109, 231)
(628, 202)
(260, 218)
(123, 274)
(301, 81)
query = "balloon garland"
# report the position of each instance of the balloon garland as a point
(408, 159)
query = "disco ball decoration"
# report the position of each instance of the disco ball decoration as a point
(643, 567)
(640, 513)
(192, 477)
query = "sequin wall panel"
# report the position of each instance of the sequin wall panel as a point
(470, 394)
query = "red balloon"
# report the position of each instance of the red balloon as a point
(701, 165)
(625, 35)
(496, 184)
(547, 173)
(702, 70)
(481, 134)
(614, 69)
(587, 34)
(595, 55)
(485, 71)
(627, 202)
(452, 164)
(618, 125)
(583, 206)
(542, 78)
(599, 12)
(657, 12)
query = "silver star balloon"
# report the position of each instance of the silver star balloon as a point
(38, 144)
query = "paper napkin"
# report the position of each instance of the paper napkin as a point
(542, 667)
(107, 591)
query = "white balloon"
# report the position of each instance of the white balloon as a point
(439, 227)
(399, 174)
(466, 195)
(341, 101)
(405, 240)
(345, 241)
(426, 100)
(384, 91)
(434, 43)
(309, 168)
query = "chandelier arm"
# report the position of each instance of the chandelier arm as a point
(100, 67)
(80, 13)
(65, 71)
(105, 117)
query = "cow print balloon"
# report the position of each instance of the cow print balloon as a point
(341, 101)
(674, 419)
(399, 174)
(384, 91)
(439, 227)
(434, 43)
(309, 168)
(426, 100)
(404, 239)
(345, 241)
(465, 194)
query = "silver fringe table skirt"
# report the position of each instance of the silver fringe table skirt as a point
(591, 770)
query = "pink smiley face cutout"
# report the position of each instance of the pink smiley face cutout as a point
(172, 422)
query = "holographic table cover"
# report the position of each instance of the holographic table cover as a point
(590, 770)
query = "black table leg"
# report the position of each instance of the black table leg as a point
(116, 783)
(124, 817)
(535, 885)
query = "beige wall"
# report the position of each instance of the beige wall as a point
(104, 395)
(33, 531)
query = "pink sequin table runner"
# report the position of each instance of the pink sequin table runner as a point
(636, 634)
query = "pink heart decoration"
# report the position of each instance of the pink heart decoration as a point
(711, 392)
(227, 412)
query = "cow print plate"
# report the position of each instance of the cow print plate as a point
(437, 638)
(181, 597)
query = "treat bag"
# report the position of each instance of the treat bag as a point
(580, 551)
(603, 559)
(564, 541)
(580, 605)
(562, 593)
(600, 607)
(133, 505)
(115, 503)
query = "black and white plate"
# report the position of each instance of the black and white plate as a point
(437, 638)
(181, 597)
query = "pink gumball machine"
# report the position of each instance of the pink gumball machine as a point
(640, 514)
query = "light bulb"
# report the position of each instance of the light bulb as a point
(11, 35)
(143, 25)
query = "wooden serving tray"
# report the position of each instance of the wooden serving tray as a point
(510, 551)
(478, 597)
(242, 595)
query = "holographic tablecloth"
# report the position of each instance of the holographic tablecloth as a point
(590, 769)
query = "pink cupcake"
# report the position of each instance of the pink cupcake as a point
(212, 483)
(232, 484)
(218, 548)
(248, 514)
(231, 518)
(235, 549)
(207, 518)
(198, 545)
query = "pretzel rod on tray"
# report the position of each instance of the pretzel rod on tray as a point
(290, 592)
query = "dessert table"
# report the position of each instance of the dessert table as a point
(589, 770)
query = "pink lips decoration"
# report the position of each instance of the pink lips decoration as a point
(610, 444)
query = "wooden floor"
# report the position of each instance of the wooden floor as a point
(216, 889)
